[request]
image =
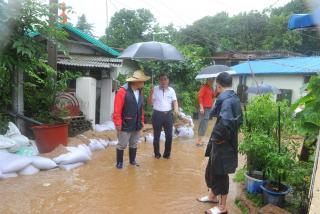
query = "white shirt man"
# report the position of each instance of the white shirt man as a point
(164, 100)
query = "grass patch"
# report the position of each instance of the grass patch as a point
(239, 176)
(244, 209)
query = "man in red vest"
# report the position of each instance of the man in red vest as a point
(128, 116)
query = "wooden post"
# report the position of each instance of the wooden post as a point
(18, 100)
(51, 47)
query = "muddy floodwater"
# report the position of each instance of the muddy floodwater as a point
(157, 186)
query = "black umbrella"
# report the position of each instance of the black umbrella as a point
(152, 51)
(213, 71)
(263, 89)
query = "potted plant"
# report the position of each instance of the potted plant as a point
(256, 147)
(277, 170)
(41, 91)
(260, 122)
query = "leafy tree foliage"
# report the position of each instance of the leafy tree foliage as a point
(84, 25)
(129, 26)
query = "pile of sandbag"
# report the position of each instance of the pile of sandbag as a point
(106, 126)
(13, 141)
(185, 126)
(12, 165)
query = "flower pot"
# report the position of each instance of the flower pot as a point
(271, 196)
(254, 181)
(48, 137)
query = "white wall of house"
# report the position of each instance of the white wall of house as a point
(107, 96)
(292, 82)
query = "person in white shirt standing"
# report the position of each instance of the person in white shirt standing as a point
(164, 100)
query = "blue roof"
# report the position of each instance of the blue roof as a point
(298, 21)
(293, 65)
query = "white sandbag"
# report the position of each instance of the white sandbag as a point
(20, 140)
(29, 170)
(105, 143)
(6, 143)
(69, 167)
(162, 136)
(149, 138)
(82, 147)
(43, 163)
(95, 145)
(13, 130)
(106, 126)
(12, 162)
(8, 175)
(186, 132)
(72, 157)
(113, 143)
(85, 148)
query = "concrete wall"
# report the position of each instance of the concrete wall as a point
(107, 96)
(293, 82)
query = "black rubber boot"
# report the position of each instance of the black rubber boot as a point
(132, 156)
(119, 159)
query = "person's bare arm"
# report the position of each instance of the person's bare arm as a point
(150, 97)
(175, 107)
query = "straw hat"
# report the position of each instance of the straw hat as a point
(138, 76)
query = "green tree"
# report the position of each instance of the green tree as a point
(206, 32)
(128, 27)
(19, 50)
(248, 30)
(84, 25)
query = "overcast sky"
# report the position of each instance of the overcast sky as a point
(178, 12)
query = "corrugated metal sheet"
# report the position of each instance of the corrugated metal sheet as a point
(90, 61)
(91, 39)
(293, 65)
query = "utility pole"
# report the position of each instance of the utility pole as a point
(107, 14)
(51, 47)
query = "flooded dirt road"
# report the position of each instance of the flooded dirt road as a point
(157, 186)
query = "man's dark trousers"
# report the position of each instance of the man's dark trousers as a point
(162, 119)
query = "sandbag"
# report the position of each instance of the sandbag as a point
(85, 148)
(6, 142)
(162, 136)
(149, 138)
(186, 132)
(12, 162)
(29, 170)
(113, 143)
(106, 126)
(82, 147)
(20, 139)
(72, 157)
(8, 175)
(69, 167)
(105, 143)
(43, 163)
(13, 130)
(95, 145)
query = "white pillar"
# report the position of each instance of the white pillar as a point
(107, 96)
(86, 94)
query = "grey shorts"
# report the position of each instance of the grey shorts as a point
(203, 121)
(126, 138)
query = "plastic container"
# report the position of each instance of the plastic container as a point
(253, 184)
(275, 198)
(48, 137)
